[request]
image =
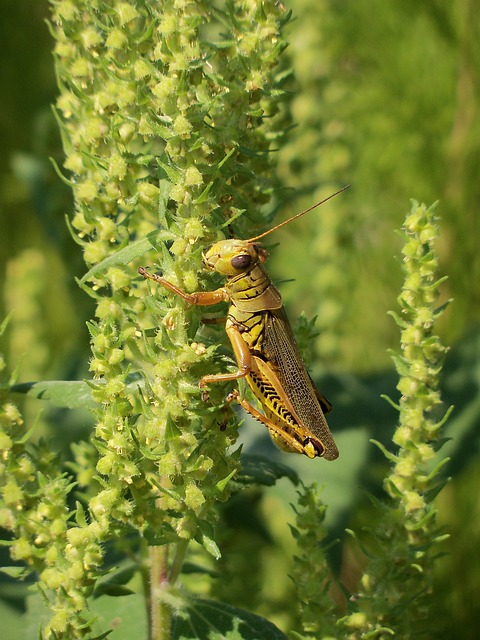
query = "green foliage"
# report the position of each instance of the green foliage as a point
(396, 587)
(165, 152)
(205, 619)
(160, 114)
(310, 573)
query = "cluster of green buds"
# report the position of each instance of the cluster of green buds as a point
(310, 572)
(419, 366)
(395, 588)
(34, 510)
(167, 112)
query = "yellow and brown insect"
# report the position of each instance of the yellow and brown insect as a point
(264, 347)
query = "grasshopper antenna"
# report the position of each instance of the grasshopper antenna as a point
(282, 224)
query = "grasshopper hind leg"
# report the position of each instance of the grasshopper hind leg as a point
(309, 447)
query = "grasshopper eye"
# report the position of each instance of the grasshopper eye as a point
(242, 261)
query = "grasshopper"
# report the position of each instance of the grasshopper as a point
(265, 350)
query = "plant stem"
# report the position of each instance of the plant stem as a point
(160, 611)
(181, 550)
(396, 589)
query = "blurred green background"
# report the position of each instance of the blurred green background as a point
(386, 98)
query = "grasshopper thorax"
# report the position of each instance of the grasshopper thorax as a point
(234, 257)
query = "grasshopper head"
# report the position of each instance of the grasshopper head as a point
(233, 257)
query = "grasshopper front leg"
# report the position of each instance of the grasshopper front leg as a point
(199, 298)
(207, 298)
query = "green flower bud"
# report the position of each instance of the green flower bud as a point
(194, 497)
(116, 356)
(182, 126)
(53, 579)
(12, 493)
(117, 39)
(90, 37)
(126, 12)
(80, 68)
(87, 191)
(5, 441)
(21, 549)
(67, 9)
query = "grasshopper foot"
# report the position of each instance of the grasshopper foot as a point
(231, 397)
(205, 393)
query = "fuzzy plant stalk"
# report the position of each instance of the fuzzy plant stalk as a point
(310, 573)
(34, 511)
(168, 111)
(396, 589)
(317, 149)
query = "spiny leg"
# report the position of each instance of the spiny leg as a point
(198, 298)
(296, 447)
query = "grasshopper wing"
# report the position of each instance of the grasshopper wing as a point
(281, 350)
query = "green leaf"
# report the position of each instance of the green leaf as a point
(399, 321)
(390, 456)
(257, 469)
(390, 401)
(127, 613)
(114, 590)
(13, 621)
(173, 174)
(80, 516)
(204, 195)
(165, 186)
(73, 234)
(15, 572)
(155, 538)
(210, 545)
(211, 620)
(4, 324)
(118, 577)
(72, 394)
(115, 582)
(192, 567)
(221, 484)
(123, 256)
